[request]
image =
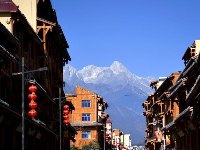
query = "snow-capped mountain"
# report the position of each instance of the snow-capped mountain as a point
(123, 91)
(115, 75)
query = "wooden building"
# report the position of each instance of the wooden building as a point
(183, 131)
(89, 118)
(158, 109)
(172, 112)
(34, 34)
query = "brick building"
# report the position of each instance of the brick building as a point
(89, 118)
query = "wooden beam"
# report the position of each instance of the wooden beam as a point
(46, 21)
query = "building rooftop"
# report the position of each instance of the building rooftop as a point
(7, 6)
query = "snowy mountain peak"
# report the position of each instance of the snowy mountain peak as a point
(69, 70)
(116, 63)
(117, 68)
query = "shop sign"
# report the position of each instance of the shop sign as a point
(158, 135)
(154, 131)
(167, 139)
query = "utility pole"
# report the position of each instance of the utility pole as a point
(60, 118)
(22, 73)
(23, 103)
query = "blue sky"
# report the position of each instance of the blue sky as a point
(149, 37)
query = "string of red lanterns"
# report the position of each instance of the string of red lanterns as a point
(106, 137)
(32, 104)
(66, 112)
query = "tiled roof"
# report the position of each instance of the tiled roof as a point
(109, 121)
(7, 6)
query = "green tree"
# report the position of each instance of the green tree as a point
(92, 145)
(85, 147)
(73, 148)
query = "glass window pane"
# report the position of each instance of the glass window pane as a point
(85, 103)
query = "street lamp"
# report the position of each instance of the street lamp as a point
(60, 115)
(22, 73)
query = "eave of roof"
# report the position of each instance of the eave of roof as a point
(192, 59)
(8, 6)
(189, 47)
(183, 113)
(43, 91)
(187, 110)
(175, 91)
(193, 89)
(7, 54)
(25, 21)
(10, 35)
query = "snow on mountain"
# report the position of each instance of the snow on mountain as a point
(117, 68)
(116, 74)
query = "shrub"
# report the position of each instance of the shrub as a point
(73, 148)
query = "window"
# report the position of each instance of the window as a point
(85, 117)
(85, 103)
(86, 135)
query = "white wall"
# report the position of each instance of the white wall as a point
(5, 20)
(29, 9)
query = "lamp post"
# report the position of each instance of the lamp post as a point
(22, 73)
(60, 118)
(104, 143)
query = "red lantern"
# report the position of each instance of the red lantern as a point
(66, 107)
(32, 96)
(33, 105)
(32, 113)
(66, 112)
(66, 121)
(66, 117)
(106, 137)
(32, 88)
